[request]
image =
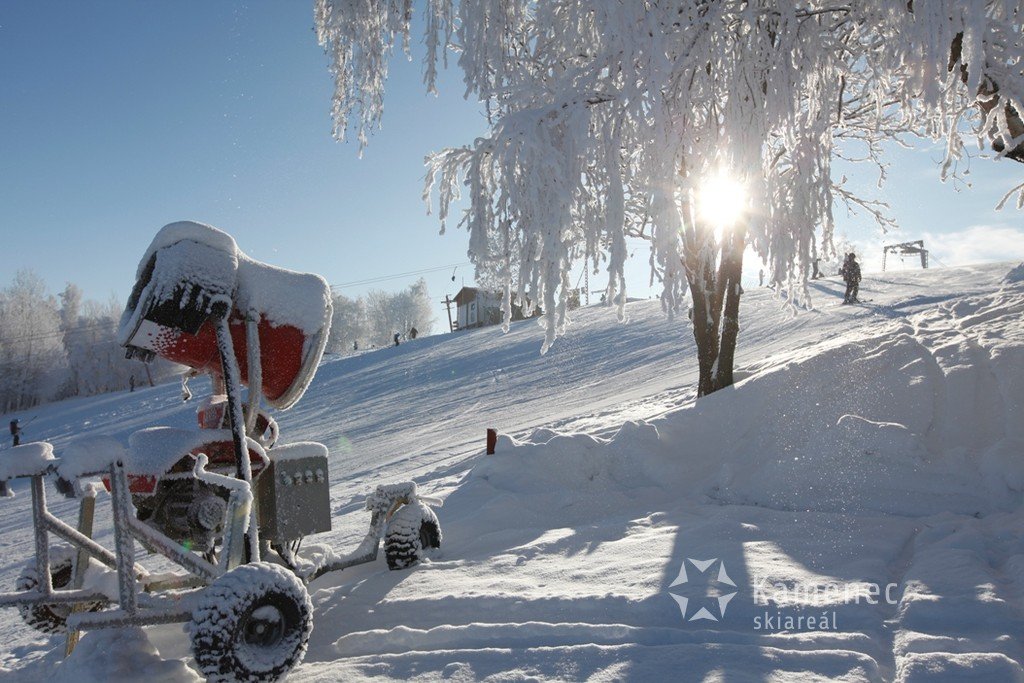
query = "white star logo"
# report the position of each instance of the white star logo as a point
(704, 601)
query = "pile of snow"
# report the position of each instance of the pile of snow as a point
(909, 417)
(873, 449)
(119, 656)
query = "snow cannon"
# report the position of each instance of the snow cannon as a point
(194, 273)
(224, 502)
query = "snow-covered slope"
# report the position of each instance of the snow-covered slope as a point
(871, 451)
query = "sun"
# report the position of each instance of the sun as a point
(721, 201)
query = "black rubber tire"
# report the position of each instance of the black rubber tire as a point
(50, 618)
(411, 531)
(251, 624)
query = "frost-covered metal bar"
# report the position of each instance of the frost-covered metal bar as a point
(53, 597)
(252, 338)
(233, 385)
(240, 502)
(123, 543)
(84, 543)
(120, 618)
(45, 582)
(171, 549)
(366, 552)
(175, 582)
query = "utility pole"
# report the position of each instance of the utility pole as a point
(448, 305)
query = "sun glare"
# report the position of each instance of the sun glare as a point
(721, 201)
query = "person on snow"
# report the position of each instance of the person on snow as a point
(851, 276)
(396, 339)
(16, 432)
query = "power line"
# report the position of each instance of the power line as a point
(383, 278)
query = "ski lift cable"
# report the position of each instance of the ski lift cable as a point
(383, 278)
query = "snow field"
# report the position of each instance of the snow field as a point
(867, 446)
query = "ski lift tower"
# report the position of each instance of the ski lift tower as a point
(906, 249)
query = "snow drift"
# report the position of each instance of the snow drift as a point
(912, 416)
(867, 446)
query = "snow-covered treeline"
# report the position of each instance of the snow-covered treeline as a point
(373, 320)
(57, 347)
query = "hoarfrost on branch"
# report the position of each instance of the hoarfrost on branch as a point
(606, 117)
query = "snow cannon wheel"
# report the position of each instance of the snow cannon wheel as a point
(48, 617)
(411, 531)
(251, 624)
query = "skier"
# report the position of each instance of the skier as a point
(16, 432)
(131, 384)
(396, 339)
(851, 276)
(413, 332)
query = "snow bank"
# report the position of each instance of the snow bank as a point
(911, 417)
(120, 655)
(560, 549)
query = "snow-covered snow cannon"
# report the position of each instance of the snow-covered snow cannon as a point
(225, 502)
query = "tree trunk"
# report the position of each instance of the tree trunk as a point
(716, 307)
(705, 334)
(729, 275)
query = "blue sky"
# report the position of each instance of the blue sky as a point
(119, 117)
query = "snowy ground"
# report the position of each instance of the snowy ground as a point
(871, 452)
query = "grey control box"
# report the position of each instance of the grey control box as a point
(294, 498)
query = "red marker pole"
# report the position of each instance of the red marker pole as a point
(492, 440)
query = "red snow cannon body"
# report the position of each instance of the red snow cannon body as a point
(191, 271)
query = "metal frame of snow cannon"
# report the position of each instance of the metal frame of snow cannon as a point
(190, 326)
(133, 579)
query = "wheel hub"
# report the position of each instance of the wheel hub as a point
(264, 627)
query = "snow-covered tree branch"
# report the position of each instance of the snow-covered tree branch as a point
(612, 118)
